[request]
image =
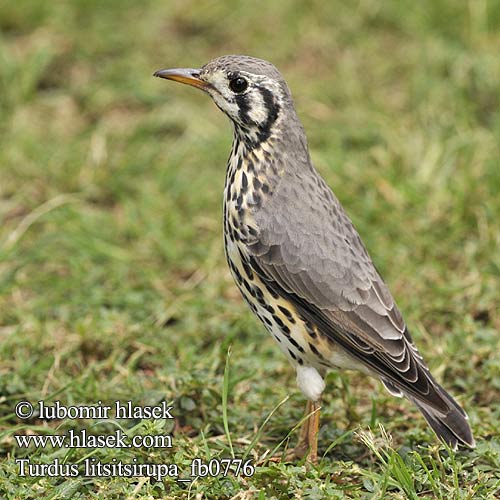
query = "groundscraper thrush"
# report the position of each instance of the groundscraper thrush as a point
(297, 258)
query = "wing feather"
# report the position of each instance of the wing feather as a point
(311, 254)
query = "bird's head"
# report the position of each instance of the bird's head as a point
(250, 91)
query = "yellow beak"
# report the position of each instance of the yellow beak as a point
(183, 75)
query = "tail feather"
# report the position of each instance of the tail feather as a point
(451, 426)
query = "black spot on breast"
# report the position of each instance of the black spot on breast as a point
(239, 277)
(232, 177)
(278, 321)
(269, 308)
(287, 313)
(292, 354)
(242, 255)
(248, 270)
(257, 293)
(244, 182)
(310, 329)
(246, 266)
(248, 286)
(285, 330)
(239, 201)
(315, 351)
(296, 344)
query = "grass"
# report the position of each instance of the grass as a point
(113, 284)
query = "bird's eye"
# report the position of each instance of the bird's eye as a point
(238, 85)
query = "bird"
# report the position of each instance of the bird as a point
(298, 260)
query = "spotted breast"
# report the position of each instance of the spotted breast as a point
(248, 185)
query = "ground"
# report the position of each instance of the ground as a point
(113, 284)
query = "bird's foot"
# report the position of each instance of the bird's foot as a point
(307, 445)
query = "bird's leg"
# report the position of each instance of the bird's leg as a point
(303, 443)
(313, 432)
(308, 437)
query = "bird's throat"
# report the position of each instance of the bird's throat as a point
(251, 178)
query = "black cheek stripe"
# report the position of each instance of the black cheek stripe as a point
(272, 113)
